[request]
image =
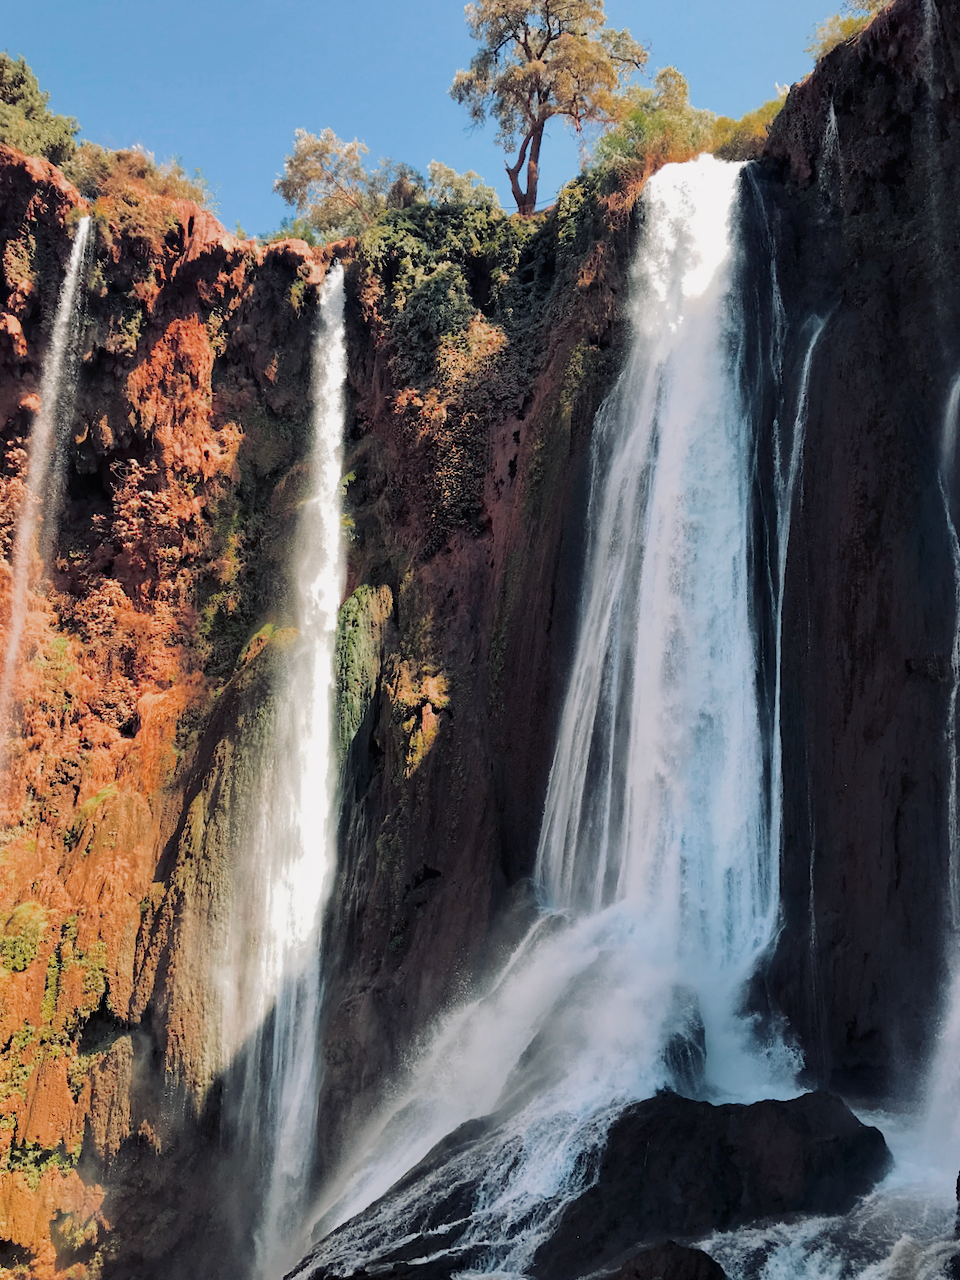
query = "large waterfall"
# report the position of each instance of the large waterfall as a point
(271, 964)
(658, 860)
(46, 455)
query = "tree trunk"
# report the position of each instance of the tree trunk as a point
(527, 200)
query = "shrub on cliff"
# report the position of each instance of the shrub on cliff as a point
(743, 139)
(324, 178)
(843, 26)
(661, 126)
(25, 120)
(98, 172)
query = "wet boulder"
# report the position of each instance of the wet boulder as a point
(677, 1167)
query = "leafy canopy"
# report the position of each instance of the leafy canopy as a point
(840, 27)
(539, 59)
(325, 180)
(25, 120)
(335, 195)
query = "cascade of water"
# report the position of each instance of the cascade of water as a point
(46, 454)
(272, 969)
(656, 865)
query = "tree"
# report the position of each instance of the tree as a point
(25, 121)
(539, 59)
(446, 186)
(840, 27)
(326, 181)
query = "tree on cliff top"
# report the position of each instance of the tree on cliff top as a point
(25, 121)
(539, 59)
(840, 27)
(325, 180)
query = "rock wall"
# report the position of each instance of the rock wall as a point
(155, 642)
(859, 176)
(185, 452)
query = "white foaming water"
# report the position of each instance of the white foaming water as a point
(46, 456)
(656, 867)
(272, 970)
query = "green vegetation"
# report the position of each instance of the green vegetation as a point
(325, 179)
(443, 265)
(33, 1161)
(21, 936)
(743, 139)
(25, 120)
(661, 126)
(446, 186)
(539, 59)
(843, 26)
(131, 175)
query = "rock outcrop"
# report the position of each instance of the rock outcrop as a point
(674, 1167)
(669, 1168)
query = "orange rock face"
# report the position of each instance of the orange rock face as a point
(187, 437)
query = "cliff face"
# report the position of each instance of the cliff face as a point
(154, 647)
(190, 423)
(860, 175)
(479, 353)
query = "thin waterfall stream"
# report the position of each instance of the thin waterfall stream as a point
(272, 961)
(657, 870)
(46, 456)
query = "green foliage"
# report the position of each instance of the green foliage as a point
(25, 120)
(744, 139)
(294, 229)
(357, 662)
(660, 126)
(843, 26)
(446, 186)
(539, 59)
(98, 172)
(325, 180)
(33, 1161)
(440, 265)
(21, 936)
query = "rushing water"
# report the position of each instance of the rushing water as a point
(272, 966)
(657, 867)
(46, 457)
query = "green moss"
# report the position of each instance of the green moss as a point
(357, 661)
(33, 1161)
(21, 937)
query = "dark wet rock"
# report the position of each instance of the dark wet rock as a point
(675, 1167)
(669, 1261)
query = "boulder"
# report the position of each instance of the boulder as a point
(676, 1167)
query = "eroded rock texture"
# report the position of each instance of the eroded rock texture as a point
(860, 178)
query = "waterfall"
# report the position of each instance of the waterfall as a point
(46, 458)
(657, 869)
(271, 968)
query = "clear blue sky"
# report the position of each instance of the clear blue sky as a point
(223, 85)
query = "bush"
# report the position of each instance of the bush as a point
(21, 936)
(660, 127)
(841, 27)
(743, 139)
(25, 121)
(99, 172)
